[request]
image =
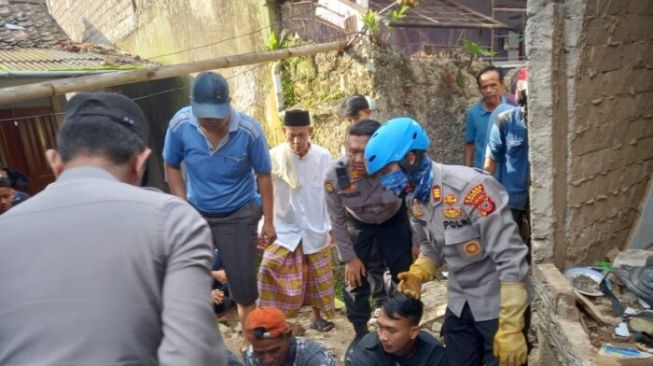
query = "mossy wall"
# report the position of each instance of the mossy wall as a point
(435, 91)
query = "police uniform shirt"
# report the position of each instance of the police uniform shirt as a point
(105, 273)
(467, 224)
(358, 195)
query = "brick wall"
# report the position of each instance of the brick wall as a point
(611, 155)
(591, 127)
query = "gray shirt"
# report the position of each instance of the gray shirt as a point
(468, 225)
(98, 272)
(364, 199)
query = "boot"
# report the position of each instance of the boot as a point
(361, 330)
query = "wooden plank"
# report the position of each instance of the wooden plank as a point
(99, 81)
(595, 312)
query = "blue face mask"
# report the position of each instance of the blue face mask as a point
(423, 180)
(395, 182)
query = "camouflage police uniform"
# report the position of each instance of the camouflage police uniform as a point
(364, 214)
(467, 225)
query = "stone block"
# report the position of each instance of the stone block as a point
(636, 54)
(644, 80)
(607, 58)
(641, 7)
(637, 129)
(616, 7)
(595, 31)
(643, 101)
(598, 137)
(623, 109)
(555, 291)
(633, 258)
(644, 147)
(591, 163)
(633, 28)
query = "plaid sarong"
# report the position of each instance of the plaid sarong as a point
(289, 280)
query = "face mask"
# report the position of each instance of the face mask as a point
(395, 182)
(423, 179)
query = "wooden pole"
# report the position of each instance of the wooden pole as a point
(98, 81)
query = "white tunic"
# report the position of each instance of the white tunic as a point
(300, 214)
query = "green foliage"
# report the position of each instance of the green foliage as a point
(399, 14)
(373, 25)
(272, 42)
(475, 49)
(289, 98)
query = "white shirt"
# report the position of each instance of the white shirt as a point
(300, 215)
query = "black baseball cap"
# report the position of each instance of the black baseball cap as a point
(113, 106)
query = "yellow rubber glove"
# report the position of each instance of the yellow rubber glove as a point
(509, 341)
(411, 282)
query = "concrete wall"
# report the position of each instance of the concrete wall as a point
(178, 31)
(591, 133)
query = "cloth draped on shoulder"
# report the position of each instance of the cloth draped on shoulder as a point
(282, 165)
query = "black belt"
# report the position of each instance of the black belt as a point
(219, 215)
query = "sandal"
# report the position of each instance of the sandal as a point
(322, 325)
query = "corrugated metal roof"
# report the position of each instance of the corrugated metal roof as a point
(31, 59)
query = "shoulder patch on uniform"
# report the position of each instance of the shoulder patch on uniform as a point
(437, 193)
(328, 186)
(452, 212)
(450, 199)
(484, 204)
(472, 247)
(473, 194)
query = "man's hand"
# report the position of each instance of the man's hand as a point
(355, 273)
(220, 276)
(217, 296)
(332, 240)
(268, 235)
(410, 285)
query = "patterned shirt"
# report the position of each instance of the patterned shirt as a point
(302, 352)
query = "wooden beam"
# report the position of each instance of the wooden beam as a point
(99, 81)
(510, 10)
(404, 24)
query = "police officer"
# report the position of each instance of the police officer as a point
(462, 218)
(363, 214)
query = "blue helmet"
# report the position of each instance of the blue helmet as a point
(392, 141)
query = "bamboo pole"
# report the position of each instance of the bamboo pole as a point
(98, 81)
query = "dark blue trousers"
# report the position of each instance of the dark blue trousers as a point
(469, 342)
(393, 240)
